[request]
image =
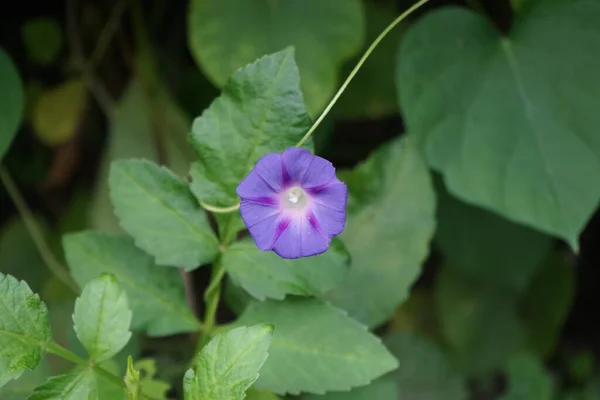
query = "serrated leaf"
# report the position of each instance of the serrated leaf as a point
(24, 328)
(139, 120)
(266, 275)
(228, 364)
(156, 295)
(547, 303)
(471, 237)
(11, 102)
(229, 34)
(42, 38)
(102, 318)
(426, 372)
(260, 111)
(316, 348)
(500, 118)
(380, 389)
(74, 386)
(58, 111)
(479, 322)
(157, 208)
(527, 379)
(391, 219)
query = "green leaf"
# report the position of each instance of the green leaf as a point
(132, 381)
(527, 379)
(260, 111)
(510, 130)
(155, 294)
(316, 348)
(426, 372)
(228, 34)
(11, 102)
(74, 386)
(471, 237)
(371, 93)
(159, 211)
(143, 125)
(479, 322)
(21, 388)
(254, 394)
(264, 274)
(391, 220)
(228, 364)
(547, 303)
(102, 318)
(24, 328)
(382, 388)
(42, 38)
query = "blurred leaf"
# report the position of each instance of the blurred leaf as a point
(74, 386)
(372, 93)
(590, 392)
(141, 124)
(380, 389)
(58, 112)
(265, 274)
(316, 348)
(107, 389)
(155, 294)
(426, 372)
(21, 388)
(511, 122)
(485, 246)
(479, 322)
(159, 211)
(236, 298)
(547, 303)
(260, 111)
(254, 394)
(228, 364)
(228, 34)
(20, 257)
(390, 223)
(581, 366)
(418, 315)
(102, 318)
(33, 90)
(528, 379)
(11, 102)
(24, 328)
(43, 39)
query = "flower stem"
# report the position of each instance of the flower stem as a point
(34, 231)
(357, 68)
(220, 210)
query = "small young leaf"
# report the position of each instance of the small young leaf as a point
(11, 102)
(228, 364)
(162, 215)
(316, 348)
(391, 220)
(155, 294)
(102, 318)
(260, 110)
(527, 379)
(227, 34)
(150, 386)
(42, 38)
(264, 274)
(74, 386)
(24, 328)
(132, 381)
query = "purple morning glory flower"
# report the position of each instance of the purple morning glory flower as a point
(293, 204)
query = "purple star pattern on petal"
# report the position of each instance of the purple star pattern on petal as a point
(293, 204)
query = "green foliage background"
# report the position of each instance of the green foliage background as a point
(470, 144)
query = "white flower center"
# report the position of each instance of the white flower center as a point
(294, 198)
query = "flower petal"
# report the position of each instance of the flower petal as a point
(265, 231)
(319, 173)
(265, 179)
(255, 211)
(333, 195)
(300, 239)
(330, 222)
(296, 162)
